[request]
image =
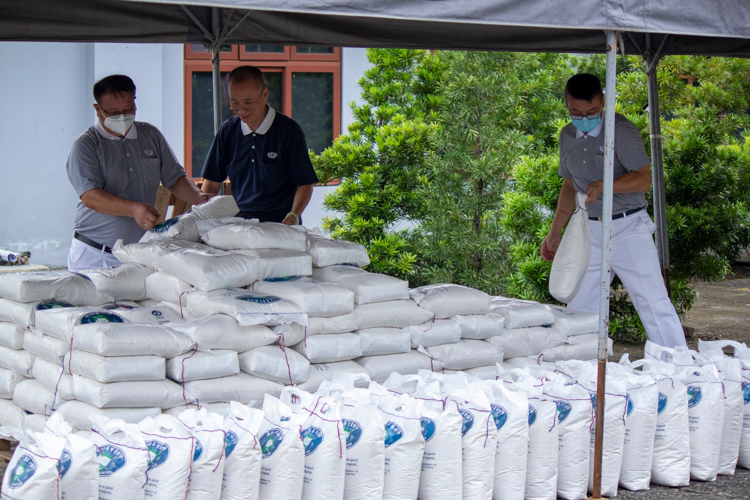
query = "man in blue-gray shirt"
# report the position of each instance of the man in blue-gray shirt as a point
(264, 154)
(115, 167)
(634, 257)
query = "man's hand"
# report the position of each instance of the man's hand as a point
(593, 191)
(549, 246)
(145, 215)
(202, 198)
(290, 220)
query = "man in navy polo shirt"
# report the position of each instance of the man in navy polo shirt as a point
(264, 154)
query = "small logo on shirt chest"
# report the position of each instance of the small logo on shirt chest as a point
(273, 155)
(148, 152)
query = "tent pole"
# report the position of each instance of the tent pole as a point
(657, 170)
(215, 60)
(609, 158)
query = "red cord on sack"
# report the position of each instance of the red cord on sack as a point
(179, 299)
(283, 349)
(182, 375)
(338, 430)
(432, 323)
(71, 354)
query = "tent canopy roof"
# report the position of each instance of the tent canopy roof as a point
(698, 27)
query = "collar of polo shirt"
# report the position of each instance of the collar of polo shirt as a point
(264, 126)
(132, 133)
(595, 132)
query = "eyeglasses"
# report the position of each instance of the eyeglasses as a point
(589, 117)
(237, 107)
(115, 113)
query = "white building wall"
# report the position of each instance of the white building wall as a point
(46, 103)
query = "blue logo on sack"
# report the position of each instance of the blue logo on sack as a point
(563, 410)
(468, 420)
(532, 415)
(392, 433)
(22, 472)
(499, 414)
(593, 402)
(629, 405)
(428, 428)
(695, 395)
(285, 278)
(156, 313)
(158, 453)
(230, 443)
(746, 392)
(65, 460)
(198, 452)
(270, 441)
(164, 226)
(113, 307)
(52, 304)
(100, 317)
(259, 299)
(353, 432)
(311, 438)
(662, 402)
(111, 459)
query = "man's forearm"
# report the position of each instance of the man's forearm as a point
(186, 190)
(632, 182)
(301, 199)
(210, 187)
(107, 203)
(566, 204)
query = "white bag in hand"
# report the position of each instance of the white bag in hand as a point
(250, 235)
(572, 257)
(217, 207)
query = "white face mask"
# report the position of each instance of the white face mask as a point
(119, 124)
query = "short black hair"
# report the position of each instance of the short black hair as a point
(584, 87)
(113, 84)
(247, 73)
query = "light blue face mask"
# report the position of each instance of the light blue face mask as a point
(586, 123)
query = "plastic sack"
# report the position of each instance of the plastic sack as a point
(581, 347)
(448, 300)
(242, 452)
(404, 446)
(79, 467)
(124, 282)
(255, 235)
(18, 361)
(8, 382)
(149, 254)
(519, 342)
(35, 398)
(51, 285)
(215, 208)
(437, 332)
(170, 451)
(59, 323)
(126, 339)
(283, 451)
(279, 263)
(466, 354)
(322, 372)
(314, 297)
(207, 468)
(11, 336)
(11, 415)
(380, 367)
(273, 362)
(123, 458)
(166, 287)
(52, 378)
(45, 347)
(521, 313)
(142, 394)
(367, 287)
(572, 257)
(33, 470)
(392, 314)
(330, 348)
(220, 331)
(246, 306)
(107, 369)
(23, 313)
(199, 365)
(384, 340)
(480, 326)
(77, 414)
(346, 323)
(329, 252)
(325, 444)
(241, 387)
(210, 269)
(158, 314)
(219, 408)
(570, 322)
(181, 227)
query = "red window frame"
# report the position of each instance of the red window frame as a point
(291, 63)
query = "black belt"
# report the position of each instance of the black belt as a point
(91, 242)
(621, 215)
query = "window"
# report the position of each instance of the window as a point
(304, 83)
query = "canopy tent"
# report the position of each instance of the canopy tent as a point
(651, 29)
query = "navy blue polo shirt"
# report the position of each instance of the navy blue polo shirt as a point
(265, 166)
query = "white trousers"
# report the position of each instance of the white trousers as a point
(83, 256)
(636, 262)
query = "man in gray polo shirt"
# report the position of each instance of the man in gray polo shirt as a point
(634, 257)
(115, 167)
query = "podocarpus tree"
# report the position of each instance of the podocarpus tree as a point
(381, 160)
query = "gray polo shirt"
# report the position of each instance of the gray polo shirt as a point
(582, 159)
(129, 168)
